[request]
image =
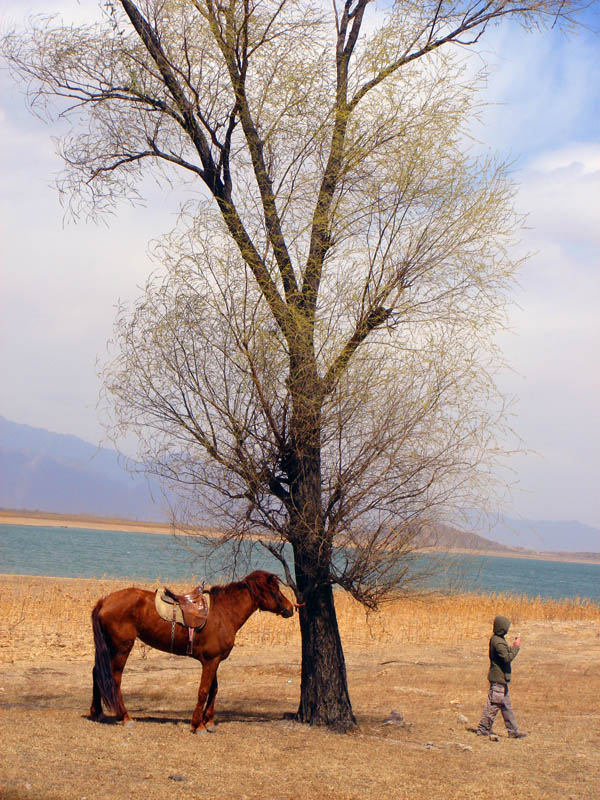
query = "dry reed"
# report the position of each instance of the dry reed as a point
(40, 614)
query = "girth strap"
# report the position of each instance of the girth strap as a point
(173, 623)
(191, 632)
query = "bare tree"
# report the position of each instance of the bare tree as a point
(320, 354)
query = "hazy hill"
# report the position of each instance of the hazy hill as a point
(445, 536)
(41, 470)
(545, 535)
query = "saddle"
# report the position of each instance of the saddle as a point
(189, 609)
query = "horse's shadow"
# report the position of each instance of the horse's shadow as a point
(225, 718)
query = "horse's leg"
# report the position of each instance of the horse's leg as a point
(209, 671)
(118, 665)
(96, 707)
(209, 711)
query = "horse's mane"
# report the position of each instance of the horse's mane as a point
(215, 591)
(257, 580)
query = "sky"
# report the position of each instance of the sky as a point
(60, 281)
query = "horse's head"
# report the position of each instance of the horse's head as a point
(264, 588)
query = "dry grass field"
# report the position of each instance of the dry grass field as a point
(426, 660)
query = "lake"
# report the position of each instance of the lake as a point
(85, 553)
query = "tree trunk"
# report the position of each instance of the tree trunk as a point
(324, 697)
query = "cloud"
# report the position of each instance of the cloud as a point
(542, 90)
(560, 190)
(583, 156)
(554, 347)
(75, 11)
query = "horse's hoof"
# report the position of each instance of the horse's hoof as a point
(129, 723)
(212, 728)
(199, 731)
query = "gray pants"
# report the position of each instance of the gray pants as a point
(498, 700)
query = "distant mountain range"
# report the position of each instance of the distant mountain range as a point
(45, 471)
(550, 536)
(60, 473)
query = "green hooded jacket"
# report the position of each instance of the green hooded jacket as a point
(501, 654)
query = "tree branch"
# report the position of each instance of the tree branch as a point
(235, 54)
(376, 317)
(473, 18)
(319, 239)
(210, 173)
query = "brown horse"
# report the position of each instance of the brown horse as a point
(130, 613)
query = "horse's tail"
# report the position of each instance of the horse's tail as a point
(103, 675)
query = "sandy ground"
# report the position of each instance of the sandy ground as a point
(51, 751)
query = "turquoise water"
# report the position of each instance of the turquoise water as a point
(84, 553)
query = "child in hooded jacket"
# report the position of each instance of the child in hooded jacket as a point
(501, 656)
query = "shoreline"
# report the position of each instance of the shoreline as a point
(49, 520)
(52, 520)
(531, 555)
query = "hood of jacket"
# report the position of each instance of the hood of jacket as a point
(501, 625)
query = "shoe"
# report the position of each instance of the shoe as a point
(517, 735)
